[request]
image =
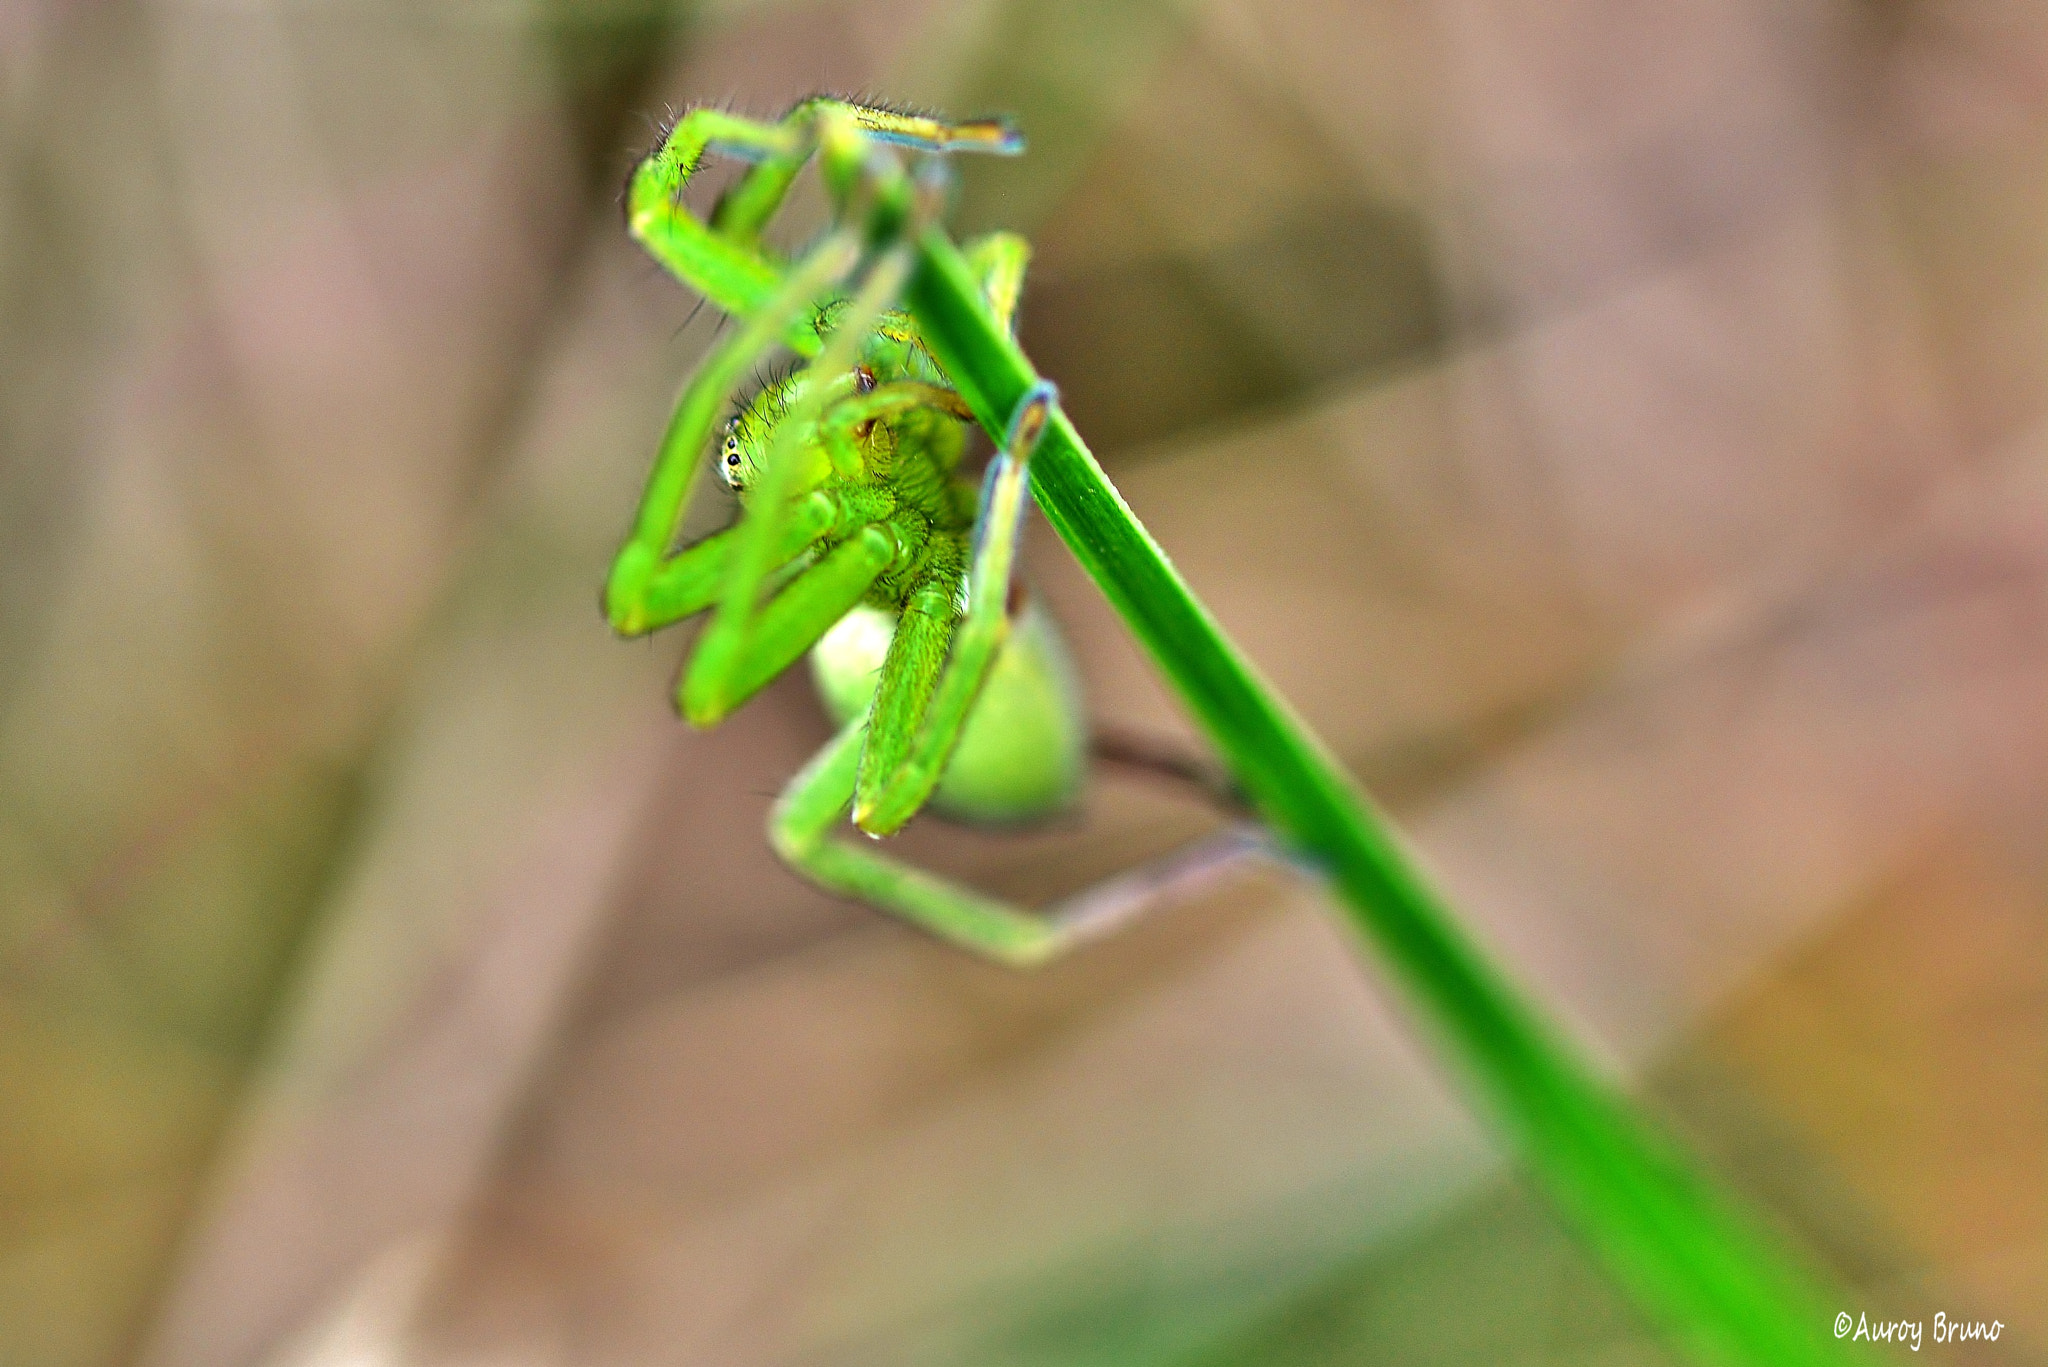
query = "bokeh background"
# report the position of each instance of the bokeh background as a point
(1622, 429)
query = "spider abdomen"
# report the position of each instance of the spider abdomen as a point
(1023, 753)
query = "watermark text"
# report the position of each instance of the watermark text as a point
(1911, 1333)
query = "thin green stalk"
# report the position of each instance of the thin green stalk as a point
(1702, 1266)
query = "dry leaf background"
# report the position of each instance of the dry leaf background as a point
(1621, 429)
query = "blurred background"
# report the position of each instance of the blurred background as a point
(1621, 429)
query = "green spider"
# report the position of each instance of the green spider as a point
(860, 540)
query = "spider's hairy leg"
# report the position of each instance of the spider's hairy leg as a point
(749, 202)
(925, 629)
(744, 640)
(911, 740)
(800, 828)
(790, 623)
(632, 602)
(837, 430)
(691, 581)
(744, 209)
(923, 132)
(724, 267)
(802, 824)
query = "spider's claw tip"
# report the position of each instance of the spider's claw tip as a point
(700, 711)
(873, 823)
(625, 622)
(1027, 422)
(999, 135)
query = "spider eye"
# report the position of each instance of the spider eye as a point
(732, 459)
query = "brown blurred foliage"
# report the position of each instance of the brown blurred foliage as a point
(1618, 428)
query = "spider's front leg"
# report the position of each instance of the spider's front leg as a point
(806, 817)
(648, 588)
(724, 259)
(912, 728)
(750, 640)
(720, 260)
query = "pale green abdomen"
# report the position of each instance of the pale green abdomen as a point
(1023, 753)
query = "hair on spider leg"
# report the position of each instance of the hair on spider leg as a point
(654, 271)
(774, 383)
(670, 117)
(702, 300)
(659, 132)
(869, 98)
(686, 173)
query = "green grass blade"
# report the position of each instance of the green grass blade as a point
(1698, 1263)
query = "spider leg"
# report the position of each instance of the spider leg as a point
(744, 209)
(692, 580)
(725, 268)
(923, 133)
(631, 601)
(729, 660)
(914, 730)
(891, 400)
(722, 259)
(782, 629)
(802, 828)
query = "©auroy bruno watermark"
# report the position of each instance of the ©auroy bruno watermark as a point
(1908, 1333)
